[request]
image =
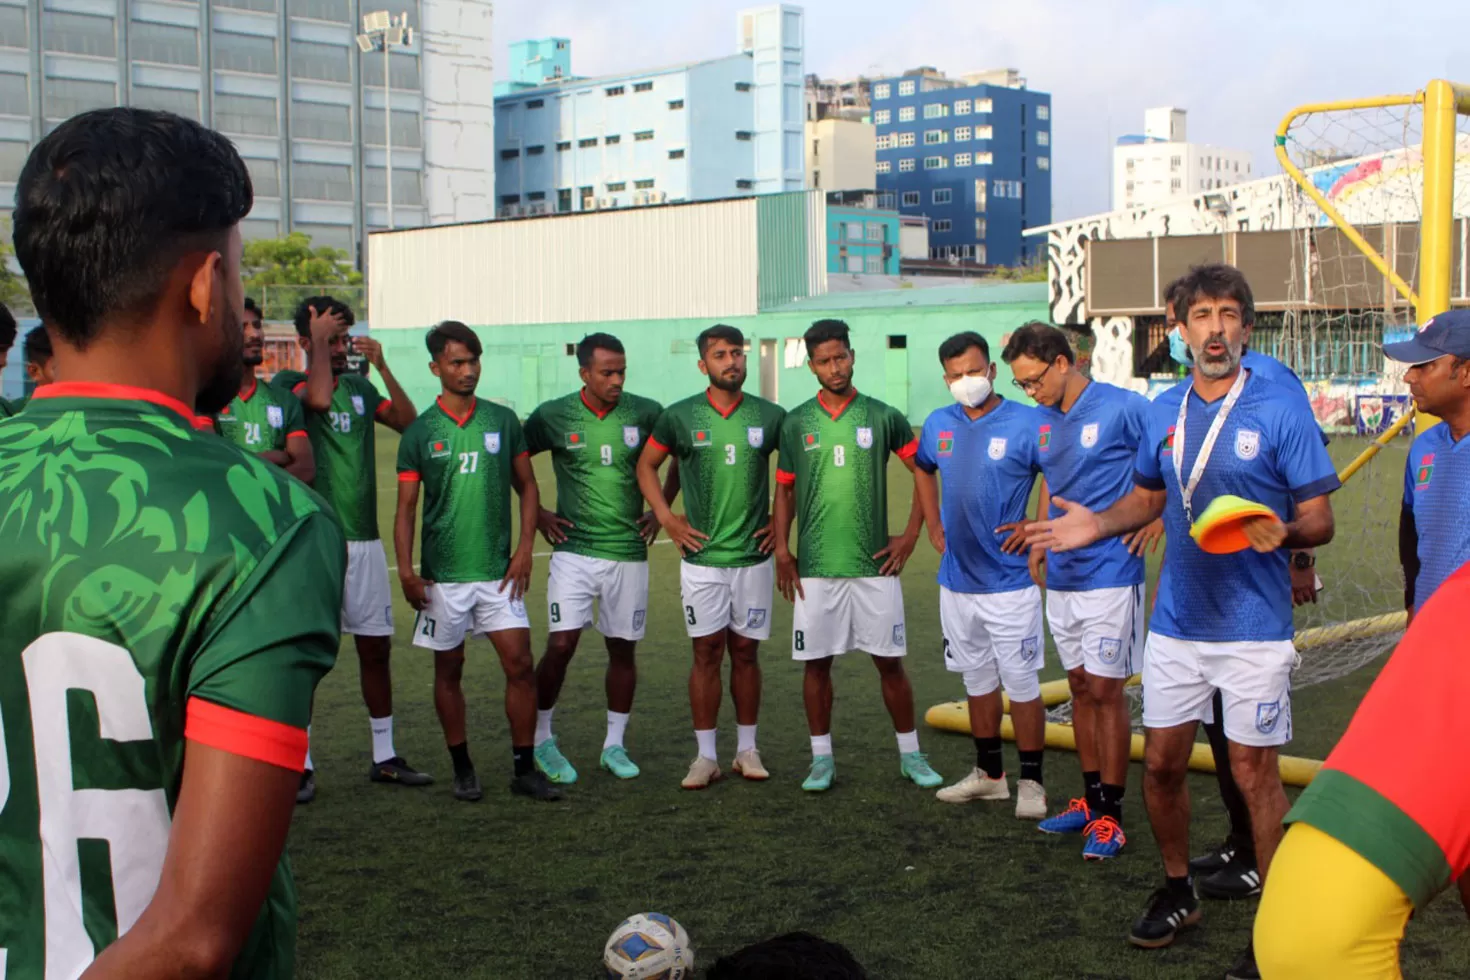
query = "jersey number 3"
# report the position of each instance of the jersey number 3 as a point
(133, 822)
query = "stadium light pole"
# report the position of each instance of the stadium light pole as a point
(381, 30)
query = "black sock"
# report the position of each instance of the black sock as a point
(987, 757)
(1180, 886)
(461, 755)
(1031, 764)
(524, 758)
(1091, 780)
(1110, 801)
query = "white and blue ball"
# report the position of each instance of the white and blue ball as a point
(651, 946)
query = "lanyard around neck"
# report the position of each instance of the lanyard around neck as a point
(1197, 472)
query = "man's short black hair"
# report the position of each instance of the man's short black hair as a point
(109, 202)
(322, 304)
(824, 330)
(8, 328)
(720, 331)
(597, 341)
(961, 342)
(250, 307)
(1173, 296)
(1214, 281)
(1040, 341)
(37, 346)
(794, 956)
(452, 330)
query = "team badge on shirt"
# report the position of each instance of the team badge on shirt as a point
(1169, 440)
(997, 447)
(810, 441)
(630, 436)
(1247, 444)
(701, 438)
(357, 405)
(438, 449)
(1425, 472)
(1045, 439)
(946, 444)
(492, 443)
(1268, 713)
(756, 436)
(864, 437)
(1089, 435)
(274, 417)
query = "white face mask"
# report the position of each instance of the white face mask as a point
(971, 391)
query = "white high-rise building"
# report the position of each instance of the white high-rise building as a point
(1161, 163)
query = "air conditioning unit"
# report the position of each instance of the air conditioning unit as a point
(504, 211)
(607, 202)
(518, 211)
(539, 208)
(640, 197)
(656, 197)
(589, 203)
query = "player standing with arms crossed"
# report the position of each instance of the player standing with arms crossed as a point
(1222, 621)
(833, 480)
(984, 449)
(721, 441)
(468, 455)
(1089, 438)
(341, 408)
(263, 419)
(159, 657)
(600, 537)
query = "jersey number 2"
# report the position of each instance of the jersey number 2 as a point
(133, 822)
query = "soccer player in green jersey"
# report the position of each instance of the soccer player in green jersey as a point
(468, 455)
(341, 407)
(40, 368)
(721, 440)
(263, 419)
(833, 480)
(600, 536)
(168, 616)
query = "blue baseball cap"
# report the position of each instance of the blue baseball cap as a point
(1447, 333)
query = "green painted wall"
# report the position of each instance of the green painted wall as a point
(526, 365)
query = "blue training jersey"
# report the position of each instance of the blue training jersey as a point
(1437, 491)
(1269, 369)
(987, 467)
(1269, 451)
(1087, 456)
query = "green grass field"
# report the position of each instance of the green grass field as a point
(397, 883)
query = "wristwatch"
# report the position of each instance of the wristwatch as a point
(1303, 559)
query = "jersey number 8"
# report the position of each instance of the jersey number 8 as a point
(839, 455)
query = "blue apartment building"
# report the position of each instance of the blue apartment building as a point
(719, 128)
(972, 155)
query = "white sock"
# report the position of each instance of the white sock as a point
(908, 742)
(382, 739)
(706, 740)
(821, 745)
(617, 724)
(309, 767)
(543, 725)
(745, 735)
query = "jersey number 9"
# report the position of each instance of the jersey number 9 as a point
(606, 455)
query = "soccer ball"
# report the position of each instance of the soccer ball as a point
(651, 946)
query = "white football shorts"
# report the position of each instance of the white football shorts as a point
(738, 598)
(1180, 678)
(842, 614)
(1099, 630)
(458, 608)
(619, 589)
(367, 599)
(994, 639)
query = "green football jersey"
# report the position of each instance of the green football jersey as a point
(839, 464)
(155, 584)
(595, 458)
(344, 442)
(724, 472)
(464, 466)
(9, 407)
(261, 421)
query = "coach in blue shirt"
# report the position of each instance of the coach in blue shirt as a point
(1222, 621)
(1434, 525)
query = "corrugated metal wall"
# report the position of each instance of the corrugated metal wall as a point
(698, 260)
(793, 246)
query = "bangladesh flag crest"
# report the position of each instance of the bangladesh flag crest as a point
(946, 444)
(701, 438)
(1169, 440)
(1045, 437)
(1425, 471)
(438, 449)
(810, 441)
(575, 440)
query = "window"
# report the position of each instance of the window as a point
(962, 159)
(743, 135)
(905, 165)
(852, 231)
(910, 199)
(586, 143)
(936, 110)
(1043, 163)
(885, 201)
(1043, 112)
(646, 134)
(882, 91)
(980, 227)
(319, 121)
(14, 30)
(984, 159)
(163, 43)
(962, 107)
(320, 62)
(933, 136)
(1128, 187)
(980, 254)
(617, 186)
(885, 141)
(536, 196)
(906, 139)
(265, 177)
(334, 10)
(407, 188)
(854, 263)
(642, 185)
(407, 129)
(321, 181)
(178, 101)
(244, 52)
(1043, 138)
(563, 145)
(15, 98)
(744, 185)
(643, 87)
(873, 265)
(906, 114)
(535, 151)
(935, 163)
(79, 34)
(533, 104)
(941, 225)
(248, 115)
(676, 154)
(906, 87)
(676, 104)
(962, 134)
(984, 133)
(877, 231)
(983, 105)
(885, 166)
(742, 86)
(613, 91)
(882, 117)
(1174, 184)
(510, 154)
(506, 200)
(404, 70)
(941, 195)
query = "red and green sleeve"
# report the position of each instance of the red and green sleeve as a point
(1386, 790)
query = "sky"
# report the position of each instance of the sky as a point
(1237, 66)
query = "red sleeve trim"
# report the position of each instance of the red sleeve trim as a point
(909, 450)
(784, 478)
(300, 387)
(203, 423)
(656, 445)
(299, 433)
(384, 408)
(408, 476)
(524, 452)
(247, 735)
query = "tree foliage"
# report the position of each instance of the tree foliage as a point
(279, 272)
(14, 292)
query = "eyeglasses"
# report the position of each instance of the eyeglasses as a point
(1031, 384)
